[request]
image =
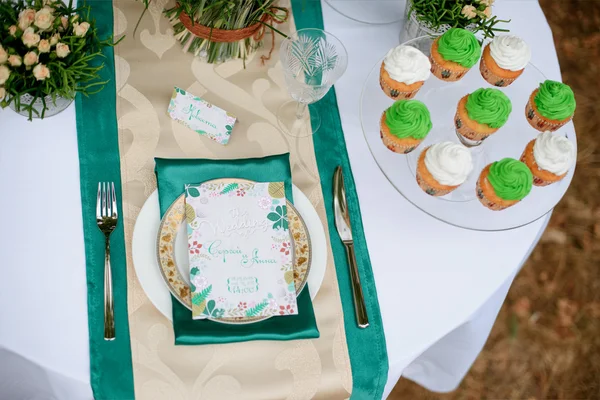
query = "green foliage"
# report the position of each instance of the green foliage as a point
(257, 309)
(279, 217)
(77, 72)
(220, 14)
(198, 298)
(210, 306)
(193, 192)
(229, 188)
(436, 13)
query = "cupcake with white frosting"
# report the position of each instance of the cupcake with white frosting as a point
(549, 157)
(504, 60)
(443, 167)
(403, 72)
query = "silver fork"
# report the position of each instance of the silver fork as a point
(106, 217)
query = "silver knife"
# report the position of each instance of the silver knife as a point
(342, 223)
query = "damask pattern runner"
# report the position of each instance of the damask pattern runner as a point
(147, 67)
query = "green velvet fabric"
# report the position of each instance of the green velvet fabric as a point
(172, 175)
(111, 372)
(368, 354)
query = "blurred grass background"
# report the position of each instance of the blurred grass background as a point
(545, 343)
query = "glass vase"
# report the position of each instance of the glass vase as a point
(376, 12)
(414, 28)
(42, 107)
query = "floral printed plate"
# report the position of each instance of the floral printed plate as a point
(179, 287)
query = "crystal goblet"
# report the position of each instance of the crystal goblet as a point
(313, 60)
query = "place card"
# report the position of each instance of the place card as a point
(201, 116)
(240, 252)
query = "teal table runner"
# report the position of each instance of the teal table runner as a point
(110, 362)
(368, 354)
(97, 137)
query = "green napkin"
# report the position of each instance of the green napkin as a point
(172, 175)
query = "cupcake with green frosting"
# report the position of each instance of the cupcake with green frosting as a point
(503, 184)
(550, 106)
(480, 114)
(404, 125)
(454, 53)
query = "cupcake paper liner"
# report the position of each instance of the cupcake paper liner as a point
(440, 190)
(492, 78)
(446, 74)
(396, 94)
(465, 131)
(486, 201)
(395, 144)
(429, 189)
(483, 198)
(539, 122)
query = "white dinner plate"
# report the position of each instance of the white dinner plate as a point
(148, 271)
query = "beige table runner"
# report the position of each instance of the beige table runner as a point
(147, 68)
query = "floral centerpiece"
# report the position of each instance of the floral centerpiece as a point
(220, 30)
(434, 17)
(48, 53)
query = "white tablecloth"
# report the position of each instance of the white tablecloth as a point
(440, 287)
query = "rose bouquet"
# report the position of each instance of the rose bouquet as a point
(48, 50)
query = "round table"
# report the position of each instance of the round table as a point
(440, 287)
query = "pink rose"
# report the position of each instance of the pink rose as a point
(15, 60)
(4, 74)
(62, 50)
(26, 18)
(80, 29)
(44, 18)
(54, 39)
(12, 30)
(30, 38)
(469, 11)
(41, 72)
(2, 93)
(64, 23)
(30, 58)
(3, 55)
(44, 46)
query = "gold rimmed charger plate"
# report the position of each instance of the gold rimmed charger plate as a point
(180, 289)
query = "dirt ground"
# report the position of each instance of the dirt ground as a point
(545, 343)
